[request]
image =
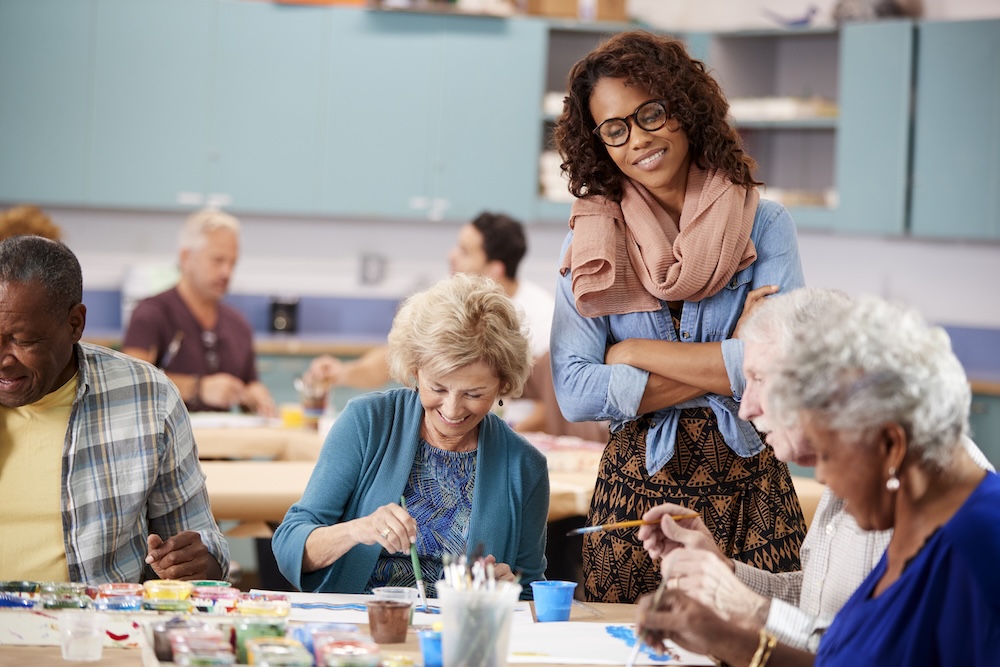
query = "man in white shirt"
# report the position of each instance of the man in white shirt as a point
(493, 245)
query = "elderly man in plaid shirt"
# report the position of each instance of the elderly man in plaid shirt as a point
(99, 473)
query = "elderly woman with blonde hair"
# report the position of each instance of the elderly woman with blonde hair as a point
(467, 478)
(884, 402)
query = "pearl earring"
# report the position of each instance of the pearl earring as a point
(892, 484)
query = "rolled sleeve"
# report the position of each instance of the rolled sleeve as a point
(732, 357)
(625, 390)
(794, 627)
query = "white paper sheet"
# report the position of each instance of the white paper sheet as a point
(575, 643)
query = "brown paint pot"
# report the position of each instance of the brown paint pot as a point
(387, 621)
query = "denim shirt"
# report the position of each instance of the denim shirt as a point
(589, 389)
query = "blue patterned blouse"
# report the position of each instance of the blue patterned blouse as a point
(439, 496)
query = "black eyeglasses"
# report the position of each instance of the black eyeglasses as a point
(210, 340)
(649, 116)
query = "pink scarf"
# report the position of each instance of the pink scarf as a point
(626, 258)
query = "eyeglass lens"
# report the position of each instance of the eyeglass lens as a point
(650, 116)
(209, 339)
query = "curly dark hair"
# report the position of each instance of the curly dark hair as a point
(661, 65)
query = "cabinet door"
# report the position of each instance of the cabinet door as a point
(956, 147)
(264, 153)
(378, 112)
(152, 76)
(984, 425)
(485, 153)
(44, 79)
(876, 65)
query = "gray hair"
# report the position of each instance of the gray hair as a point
(33, 259)
(872, 363)
(784, 316)
(459, 321)
(200, 223)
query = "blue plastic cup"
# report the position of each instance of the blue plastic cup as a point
(553, 600)
(430, 647)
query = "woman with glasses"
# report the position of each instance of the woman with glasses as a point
(669, 244)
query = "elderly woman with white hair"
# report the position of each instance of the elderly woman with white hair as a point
(467, 478)
(883, 401)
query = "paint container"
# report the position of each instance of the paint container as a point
(264, 604)
(553, 600)
(399, 594)
(430, 648)
(360, 651)
(253, 627)
(314, 635)
(161, 638)
(277, 651)
(167, 589)
(215, 599)
(119, 597)
(24, 589)
(388, 620)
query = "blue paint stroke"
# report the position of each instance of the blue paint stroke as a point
(626, 635)
(353, 606)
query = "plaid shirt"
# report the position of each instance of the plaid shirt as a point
(130, 468)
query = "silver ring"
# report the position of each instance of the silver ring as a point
(384, 533)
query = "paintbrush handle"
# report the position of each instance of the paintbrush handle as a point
(415, 559)
(621, 525)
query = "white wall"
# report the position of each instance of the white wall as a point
(950, 282)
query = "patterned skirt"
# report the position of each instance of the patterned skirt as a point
(748, 504)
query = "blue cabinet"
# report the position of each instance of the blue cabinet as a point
(873, 134)
(488, 130)
(201, 102)
(263, 151)
(984, 425)
(378, 118)
(45, 52)
(956, 137)
(151, 95)
(432, 116)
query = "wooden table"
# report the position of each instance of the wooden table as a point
(258, 443)
(258, 491)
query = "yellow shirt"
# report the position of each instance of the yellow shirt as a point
(31, 455)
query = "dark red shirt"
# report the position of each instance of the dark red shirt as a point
(228, 349)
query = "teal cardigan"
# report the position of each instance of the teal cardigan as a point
(365, 463)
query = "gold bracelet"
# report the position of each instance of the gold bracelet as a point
(764, 649)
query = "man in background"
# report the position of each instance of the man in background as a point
(491, 245)
(98, 471)
(203, 345)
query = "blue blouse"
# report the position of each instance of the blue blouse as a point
(945, 607)
(439, 497)
(588, 389)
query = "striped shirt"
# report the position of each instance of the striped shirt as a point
(130, 468)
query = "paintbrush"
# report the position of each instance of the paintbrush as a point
(421, 591)
(628, 524)
(643, 638)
